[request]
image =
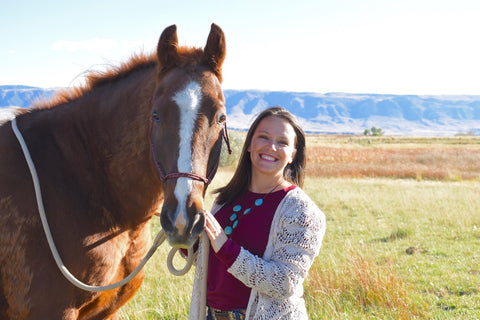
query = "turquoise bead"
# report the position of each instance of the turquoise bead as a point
(228, 230)
(258, 202)
(237, 208)
(247, 211)
(235, 224)
(233, 217)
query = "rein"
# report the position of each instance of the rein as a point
(159, 239)
(164, 177)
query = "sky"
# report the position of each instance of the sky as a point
(417, 47)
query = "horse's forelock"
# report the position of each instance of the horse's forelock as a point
(188, 58)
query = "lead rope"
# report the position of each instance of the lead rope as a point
(159, 239)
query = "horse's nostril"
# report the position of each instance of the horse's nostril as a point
(198, 224)
(165, 221)
(198, 218)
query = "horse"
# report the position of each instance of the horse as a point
(108, 154)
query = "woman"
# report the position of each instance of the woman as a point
(264, 230)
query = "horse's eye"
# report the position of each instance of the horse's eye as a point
(156, 116)
(222, 119)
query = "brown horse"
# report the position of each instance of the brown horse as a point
(107, 155)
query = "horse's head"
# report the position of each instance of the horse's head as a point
(188, 121)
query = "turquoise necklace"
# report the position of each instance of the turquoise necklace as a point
(234, 218)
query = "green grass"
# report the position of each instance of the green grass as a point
(394, 249)
(370, 225)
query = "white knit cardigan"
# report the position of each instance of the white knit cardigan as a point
(276, 279)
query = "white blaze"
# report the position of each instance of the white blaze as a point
(188, 101)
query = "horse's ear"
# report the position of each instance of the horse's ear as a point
(215, 50)
(167, 47)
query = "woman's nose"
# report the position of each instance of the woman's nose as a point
(273, 145)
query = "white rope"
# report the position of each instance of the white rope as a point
(180, 272)
(159, 239)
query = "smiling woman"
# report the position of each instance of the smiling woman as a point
(264, 198)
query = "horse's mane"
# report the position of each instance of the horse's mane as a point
(187, 57)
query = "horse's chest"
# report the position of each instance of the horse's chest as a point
(122, 251)
(115, 260)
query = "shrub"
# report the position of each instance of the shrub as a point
(374, 131)
(237, 139)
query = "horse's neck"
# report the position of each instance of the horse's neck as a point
(103, 141)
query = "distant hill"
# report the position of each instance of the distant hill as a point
(22, 96)
(353, 113)
(331, 113)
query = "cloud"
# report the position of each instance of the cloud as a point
(92, 45)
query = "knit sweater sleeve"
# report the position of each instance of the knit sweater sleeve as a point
(295, 238)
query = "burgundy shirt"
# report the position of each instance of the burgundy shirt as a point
(224, 291)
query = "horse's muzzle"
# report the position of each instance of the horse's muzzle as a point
(181, 231)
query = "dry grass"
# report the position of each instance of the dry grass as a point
(453, 159)
(360, 286)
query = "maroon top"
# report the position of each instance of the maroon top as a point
(224, 291)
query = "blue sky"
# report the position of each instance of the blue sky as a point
(383, 46)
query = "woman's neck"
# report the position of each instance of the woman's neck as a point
(267, 184)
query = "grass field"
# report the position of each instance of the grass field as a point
(455, 159)
(397, 246)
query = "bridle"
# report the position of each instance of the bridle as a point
(174, 175)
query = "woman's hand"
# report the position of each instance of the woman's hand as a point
(214, 232)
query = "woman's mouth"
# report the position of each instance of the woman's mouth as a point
(267, 157)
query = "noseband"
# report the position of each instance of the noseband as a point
(164, 177)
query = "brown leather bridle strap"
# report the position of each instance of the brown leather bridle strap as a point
(226, 138)
(194, 176)
(184, 175)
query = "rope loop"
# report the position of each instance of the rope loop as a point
(180, 272)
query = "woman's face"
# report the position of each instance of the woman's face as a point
(272, 147)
